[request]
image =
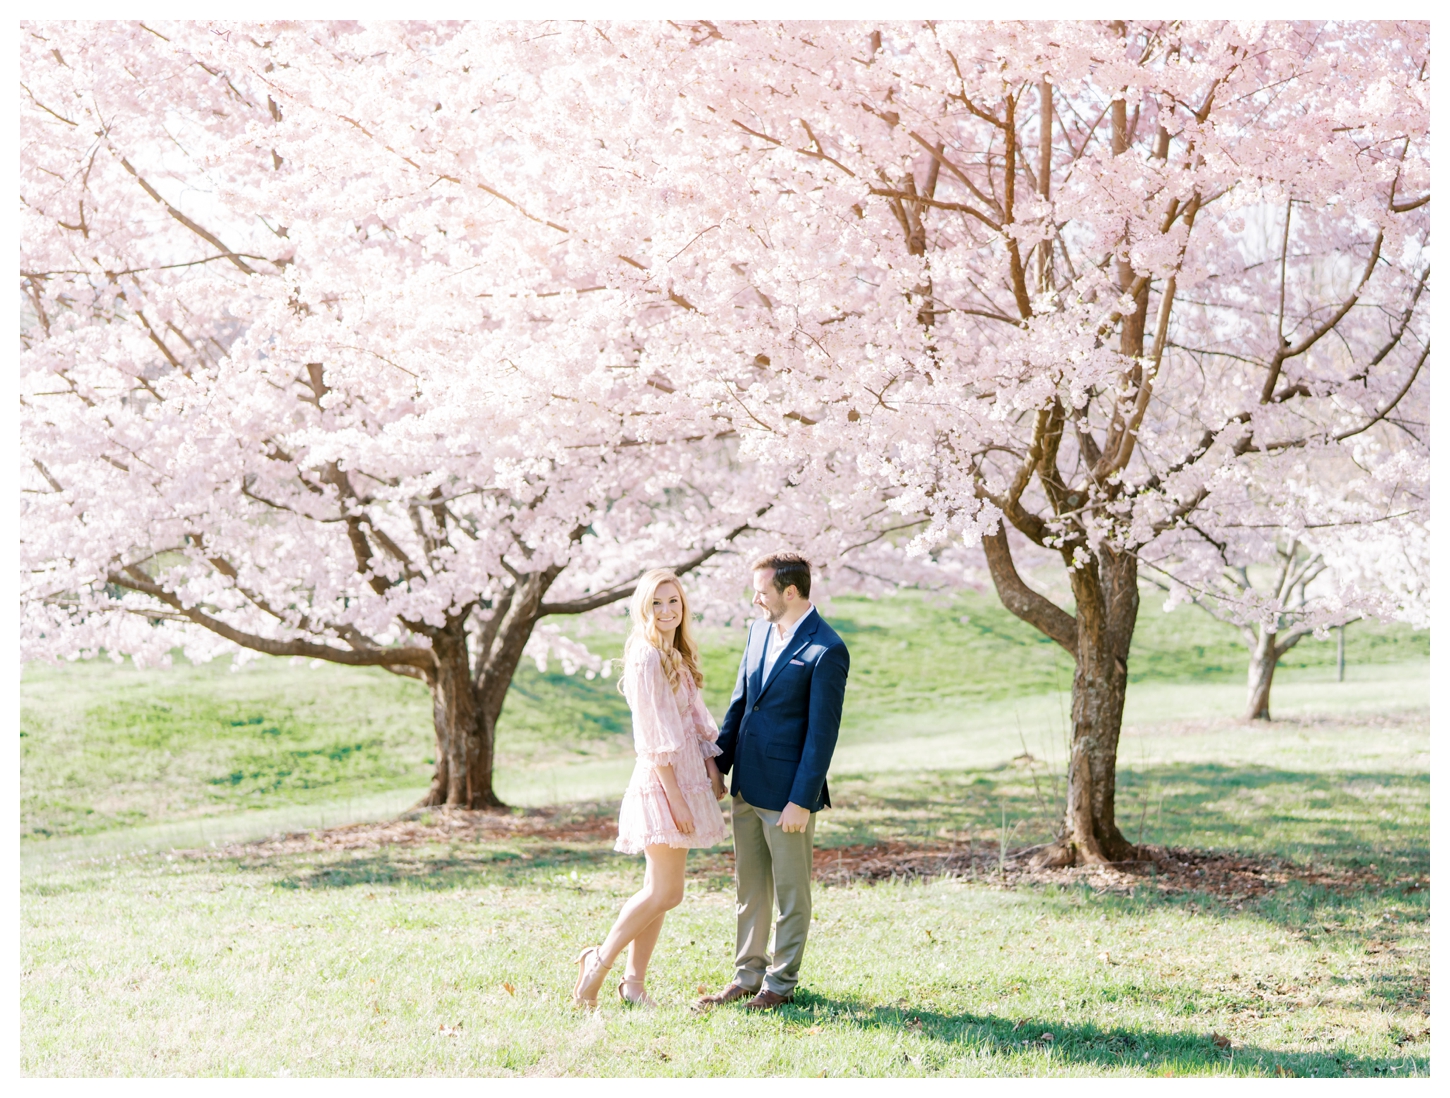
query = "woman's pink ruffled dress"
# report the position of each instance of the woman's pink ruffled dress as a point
(671, 727)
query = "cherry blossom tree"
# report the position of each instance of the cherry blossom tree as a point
(411, 326)
(1276, 604)
(1127, 287)
(315, 364)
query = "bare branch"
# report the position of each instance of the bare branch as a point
(623, 590)
(188, 222)
(134, 579)
(1038, 611)
(1283, 353)
(1388, 408)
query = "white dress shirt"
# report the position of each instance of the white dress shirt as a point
(775, 643)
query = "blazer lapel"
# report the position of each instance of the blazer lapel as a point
(797, 643)
(754, 662)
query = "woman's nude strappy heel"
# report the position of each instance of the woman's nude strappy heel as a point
(586, 970)
(644, 999)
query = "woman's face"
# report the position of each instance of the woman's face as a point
(667, 606)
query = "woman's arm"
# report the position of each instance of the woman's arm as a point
(659, 733)
(684, 819)
(717, 780)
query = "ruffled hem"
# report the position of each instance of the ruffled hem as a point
(645, 820)
(708, 750)
(663, 758)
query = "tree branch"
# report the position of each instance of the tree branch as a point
(1036, 610)
(1390, 407)
(623, 590)
(134, 579)
(188, 222)
(1283, 353)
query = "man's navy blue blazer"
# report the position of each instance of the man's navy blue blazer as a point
(777, 738)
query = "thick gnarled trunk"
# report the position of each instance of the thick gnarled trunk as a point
(1098, 636)
(1106, 590)
(462, 729)
(468, 694)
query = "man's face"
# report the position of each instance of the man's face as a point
(767, 598)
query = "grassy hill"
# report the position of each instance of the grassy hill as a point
(104, 745)
(152, 944)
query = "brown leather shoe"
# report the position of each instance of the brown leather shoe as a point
(729, 995)
(766, 999)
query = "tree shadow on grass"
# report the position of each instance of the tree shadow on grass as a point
(437, 870)
(1156, 1052)
(1337, 817)
(434, 870)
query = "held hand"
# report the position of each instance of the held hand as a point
(684, 820)
(717, 781)
(794, 818)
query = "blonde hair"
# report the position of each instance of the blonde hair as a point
(682, 654)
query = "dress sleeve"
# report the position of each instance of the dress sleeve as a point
(659, 733)
(705, 727)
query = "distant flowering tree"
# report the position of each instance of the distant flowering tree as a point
(1297, 593)
(1127, 287)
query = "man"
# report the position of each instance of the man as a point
(776, 743)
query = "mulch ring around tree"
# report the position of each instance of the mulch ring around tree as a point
(1232, 878)
(575, 824)
(1229, 877)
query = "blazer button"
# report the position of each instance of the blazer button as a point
(755, 709)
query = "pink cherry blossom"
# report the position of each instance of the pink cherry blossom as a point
(383, 343)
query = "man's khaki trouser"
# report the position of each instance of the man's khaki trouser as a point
(770, 865)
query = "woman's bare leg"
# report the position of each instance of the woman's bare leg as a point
(664, 888)
(640, 951)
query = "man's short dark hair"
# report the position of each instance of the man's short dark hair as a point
(791, 570)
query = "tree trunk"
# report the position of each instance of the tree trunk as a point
(1106, 590)
(1263, 660)
(1105, 587)
(463, 731)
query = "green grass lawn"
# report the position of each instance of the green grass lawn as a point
(453, 958)
(106, 746)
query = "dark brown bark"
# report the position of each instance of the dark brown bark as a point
(1105, 588)
(1050, 619)
(463, 733)
(468, 694)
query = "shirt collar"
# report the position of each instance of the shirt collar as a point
(791, 632)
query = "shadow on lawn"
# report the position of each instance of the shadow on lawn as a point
(438, 871)
(1157, 1052)
(1363, 834)
(1340, 817)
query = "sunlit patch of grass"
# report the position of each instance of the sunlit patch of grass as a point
(443, 960)
(452, 958)
(104, 745)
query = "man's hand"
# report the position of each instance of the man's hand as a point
(794, 818)
(717, 780)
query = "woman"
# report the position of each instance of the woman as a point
(672, 802)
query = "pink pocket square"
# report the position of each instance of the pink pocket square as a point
(799, 663)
